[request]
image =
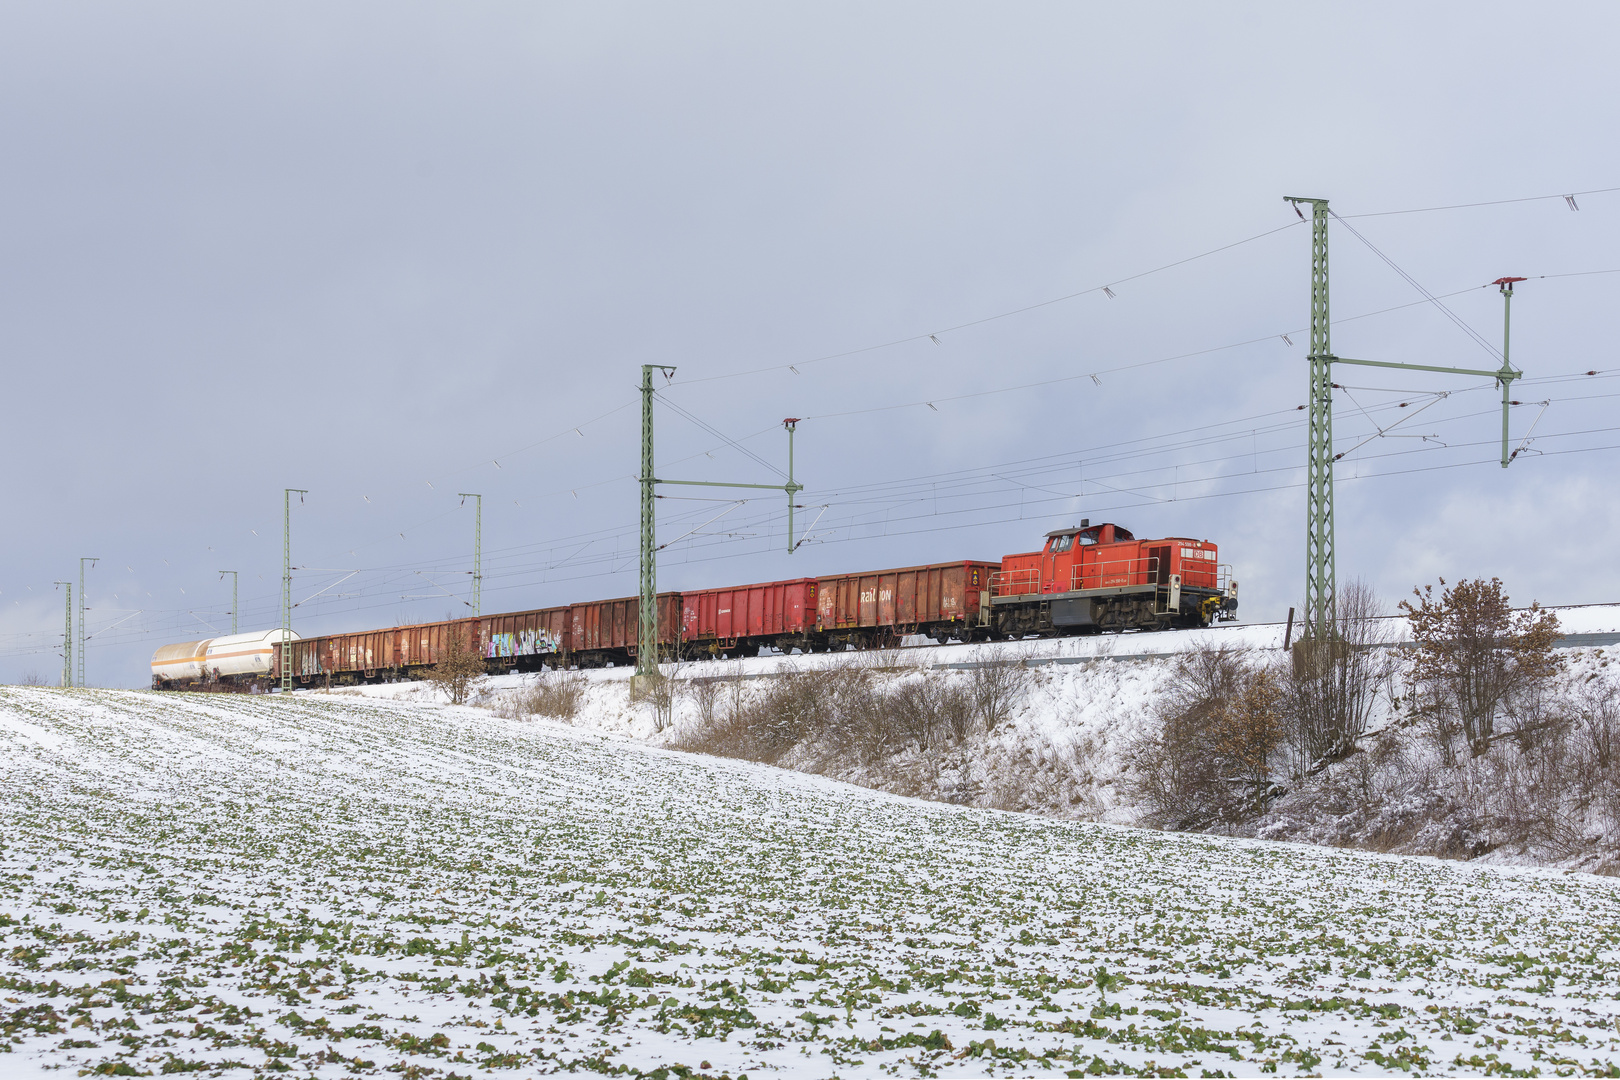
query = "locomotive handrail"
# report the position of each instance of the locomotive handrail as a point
(1005, 582)
(1109, 573)
(1143, 570)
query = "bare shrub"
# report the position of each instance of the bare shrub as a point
(460, 664)
(1218, 726)
(860, 709)
(791, 708)
(1596, 735)
(881, 660)
(32, 678)
(924, 712)
(1332, 686)
(857, 722)
(1364, 786)
(906, 714)
(659, 691)
(956, 712)
(765, 725)
(557, 694)
(998, 684)
(1529, 795)
(1599, 712)
(1476, 658)
(705, 693)
(1554, 770)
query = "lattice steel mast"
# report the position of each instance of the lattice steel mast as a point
(647, 630)
(286, 585)
(1320, 572)
(1320, 565)
(82, 634)
(67, 636)
(222, 573)
(477, 604)
(647, 637)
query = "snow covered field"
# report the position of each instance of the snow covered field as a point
(334, 885)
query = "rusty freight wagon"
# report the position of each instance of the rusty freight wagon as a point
(941, 600)
(520, 640)
(781, 614)
(606, 631)
(524, 640)
(401, 652)
(343, 659)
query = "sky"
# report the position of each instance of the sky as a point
(390, 253)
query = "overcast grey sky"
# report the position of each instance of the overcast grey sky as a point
(392, 252)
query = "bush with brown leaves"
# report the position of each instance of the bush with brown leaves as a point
(1478, 660)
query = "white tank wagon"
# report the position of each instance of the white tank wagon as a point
(180, 663)
(235, 661)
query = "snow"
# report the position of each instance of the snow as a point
(50, 740)
(347, 883)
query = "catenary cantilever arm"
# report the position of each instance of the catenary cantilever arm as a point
(1428, 367)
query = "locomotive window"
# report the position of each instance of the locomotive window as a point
(1060, 544)
(1088, 537)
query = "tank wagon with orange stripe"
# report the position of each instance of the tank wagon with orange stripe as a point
(234, 661)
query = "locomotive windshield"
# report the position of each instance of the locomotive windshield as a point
(1061, 544)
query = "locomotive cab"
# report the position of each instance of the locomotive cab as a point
(1059, 541)
(1068, 551)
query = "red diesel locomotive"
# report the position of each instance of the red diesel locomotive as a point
(1100, 577)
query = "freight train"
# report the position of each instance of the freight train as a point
(1086, 579)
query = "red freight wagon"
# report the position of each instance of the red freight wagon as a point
(941, 599)
(1101, 576)
(605, 631)
(781, 614)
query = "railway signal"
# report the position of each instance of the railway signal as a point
(1320, 584)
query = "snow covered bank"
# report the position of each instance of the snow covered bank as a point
(332, 885)
(1070, 747)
